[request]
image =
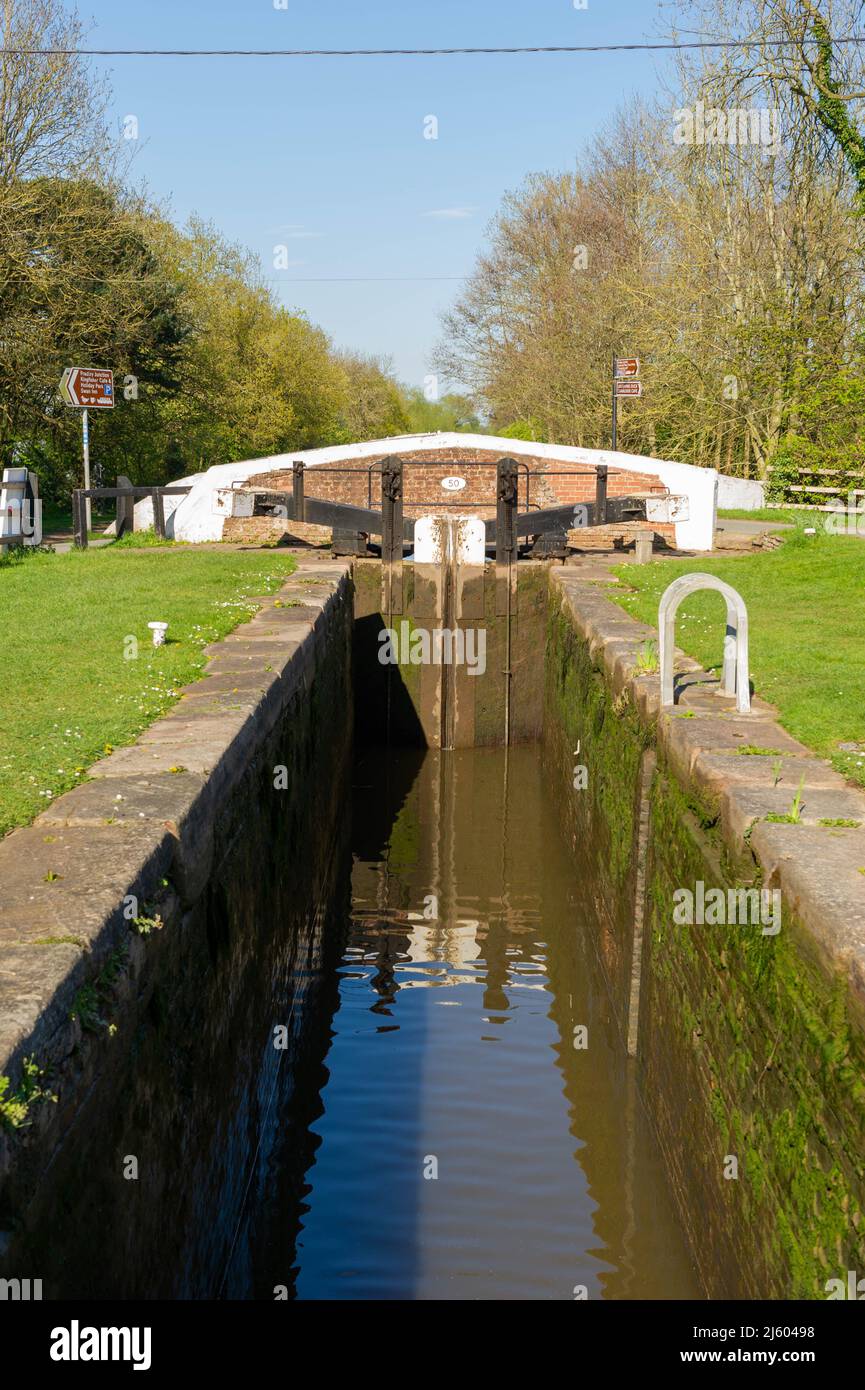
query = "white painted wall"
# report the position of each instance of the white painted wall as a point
(19, 515)
(199, 517)
(430, 539)
(740, 493)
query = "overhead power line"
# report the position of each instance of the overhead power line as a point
(411, 52)
(361, 279)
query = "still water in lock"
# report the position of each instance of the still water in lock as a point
(457, 1141)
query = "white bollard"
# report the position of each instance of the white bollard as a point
(735, 679)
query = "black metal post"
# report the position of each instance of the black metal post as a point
(392, 531)
(506, 510)
(299, 490)
(507, 485)
(601, 495)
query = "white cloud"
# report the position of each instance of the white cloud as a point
(451, 214)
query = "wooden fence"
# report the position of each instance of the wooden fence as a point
(126, 497)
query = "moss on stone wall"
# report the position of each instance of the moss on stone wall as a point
(768, 1067)
(747, 1048)
(611, 741)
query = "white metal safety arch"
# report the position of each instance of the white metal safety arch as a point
(735, 673)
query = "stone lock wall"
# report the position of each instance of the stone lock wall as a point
(750, 1046)
(156, 1036)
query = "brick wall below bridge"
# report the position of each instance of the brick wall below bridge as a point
(542, 483)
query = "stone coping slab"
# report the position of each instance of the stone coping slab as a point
(181, 802)
(39, 981)
(216, 683)
(685, 734)
(70, 881)
(742, 806)
(829, 901)
(144, 818)
(167, 799)
(714, 771)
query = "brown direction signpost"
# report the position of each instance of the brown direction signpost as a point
(87, 388)
(626, 367)
(625, 373)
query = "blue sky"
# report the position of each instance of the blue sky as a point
(327, 156)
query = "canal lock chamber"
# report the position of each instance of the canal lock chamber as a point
(428, 1032)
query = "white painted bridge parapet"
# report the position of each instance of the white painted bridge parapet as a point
(735, 675)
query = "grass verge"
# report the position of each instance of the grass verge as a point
(57, 520)
(789, 516)
(80, 673)
(806, 607)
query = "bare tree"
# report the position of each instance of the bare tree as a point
(52, 108)
(799, 47)
(733, 270)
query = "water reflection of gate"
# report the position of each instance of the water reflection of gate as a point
(548, 1173)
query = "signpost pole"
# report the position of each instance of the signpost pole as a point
(85, 436)
(626, 371)
(83, 387)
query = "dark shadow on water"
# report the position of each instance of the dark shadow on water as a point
(268, 1247)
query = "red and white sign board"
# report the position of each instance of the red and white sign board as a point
(629, 388)
(89, 388)
(627, 366)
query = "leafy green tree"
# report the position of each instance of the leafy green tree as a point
(797, 50)
(373, 406)
(257, 379)
(452, 412)
(79, 285)
(531, 430)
